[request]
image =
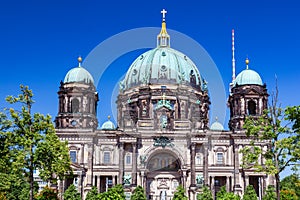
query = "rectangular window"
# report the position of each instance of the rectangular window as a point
(128, 159)
(219, 158)
(198, 160)
(106, 158)
(73, 156)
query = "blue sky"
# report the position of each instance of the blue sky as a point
(41, 40)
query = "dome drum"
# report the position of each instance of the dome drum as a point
(174, 108)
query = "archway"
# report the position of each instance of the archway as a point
(164, 174)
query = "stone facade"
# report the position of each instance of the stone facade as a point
(163, 138)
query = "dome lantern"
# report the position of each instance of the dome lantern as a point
(163, 38)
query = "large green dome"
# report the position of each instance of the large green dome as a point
(162, 65)
(248, 77)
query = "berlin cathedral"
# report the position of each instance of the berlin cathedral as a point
(163, 137)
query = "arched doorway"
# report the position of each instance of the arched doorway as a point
(163, 175)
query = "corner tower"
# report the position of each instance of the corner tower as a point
(77, 100)
(248, 96)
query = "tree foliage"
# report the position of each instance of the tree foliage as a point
(114, 193)
(270, 193)
(288, 195)
(249, 193)
(205, 195)
(291, 183)
(221, 193)
(71, 193)
(224, 195)
(92, 194)
(47, 194)
(28, 142)
(138, 194)
(180, 194)
(280, 128)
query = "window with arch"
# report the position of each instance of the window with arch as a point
(106, 157)
(75, 105)
(128, 159)
(73, 156)
(251, 107)
(220, 158)
(198, 159)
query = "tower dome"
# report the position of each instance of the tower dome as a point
(248, 77)
(79, 75)
(108, 125)
(162, 65)
(217, 126)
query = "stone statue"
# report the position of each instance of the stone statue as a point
(199, 179)
(127, 179)
(142, 159)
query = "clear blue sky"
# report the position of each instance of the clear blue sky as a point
(40, 41)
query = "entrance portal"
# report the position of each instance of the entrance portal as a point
(163, 176)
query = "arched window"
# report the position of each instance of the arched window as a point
(251, 107)
(75, 106)
(163, 162)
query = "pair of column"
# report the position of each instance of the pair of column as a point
(134, 164)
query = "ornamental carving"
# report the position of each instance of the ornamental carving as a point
(162, 142)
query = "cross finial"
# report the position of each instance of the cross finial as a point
(163, 12)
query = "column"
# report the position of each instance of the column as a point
(184, 178)
(264, 184)
(205, 165)
(237, 187)
(227, 156)
(213, 186)
(114, 180)
(246, 180)
(121, 162)
(97, 155)
(82, 154)
(228, 183)
(90, 166)
(134, 165)
(98, 183)
(193, 172)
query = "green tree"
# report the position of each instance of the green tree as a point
(29, 143)
(224, 195)
(221, 192)
(47, 194)
(249, 193)
(205, 195)
(138, 194)
(92, 194)
(180, 194)
(288, 195)
(291, 182)
(281, 127)
(71, 193)
(114, 193)
(229, 196)
(270, 193)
